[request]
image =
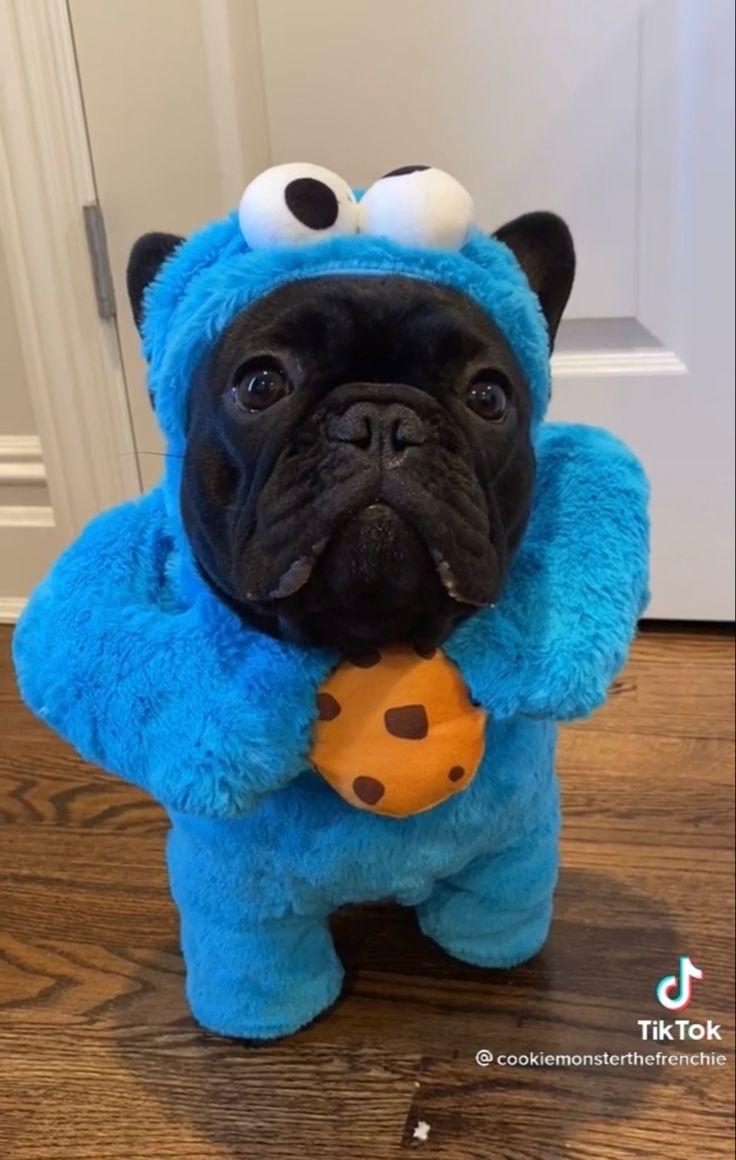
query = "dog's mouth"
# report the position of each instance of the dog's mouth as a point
(365, 550)
(377, 548)
(379, 577)
(413, 535)
(374, 581)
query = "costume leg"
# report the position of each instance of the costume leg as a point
(497, 911)
(254, 969)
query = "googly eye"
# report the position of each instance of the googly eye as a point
(296, 204)
(418, 205)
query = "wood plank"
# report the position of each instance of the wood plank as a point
(680, 684)
(100, 1060)
(206, 1099)
(582, 1113)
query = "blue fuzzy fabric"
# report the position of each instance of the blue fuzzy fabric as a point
(129, 656)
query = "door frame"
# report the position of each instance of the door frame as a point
(71, 355)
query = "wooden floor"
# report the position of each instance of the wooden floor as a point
(100, 1059)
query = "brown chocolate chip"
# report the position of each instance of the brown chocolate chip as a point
(407, 721)
(425, 653)
(366, 660)
(327, 707)
(456, 773)
(368, 789)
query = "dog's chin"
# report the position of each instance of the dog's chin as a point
(375, 582)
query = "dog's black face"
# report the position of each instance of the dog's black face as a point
(358, 466)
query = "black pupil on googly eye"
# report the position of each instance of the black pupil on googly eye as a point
(312, 203)
(257, 389)
(488, 399)
(403, 170)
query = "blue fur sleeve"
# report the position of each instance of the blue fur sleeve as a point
(208, 715)
(185, 702)
(563, 627)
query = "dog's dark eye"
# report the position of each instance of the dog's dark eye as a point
(257, 387)
(488, 397)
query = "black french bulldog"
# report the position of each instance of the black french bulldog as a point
(359, 467)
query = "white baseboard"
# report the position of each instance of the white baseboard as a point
(11, 608)
(26, 516)
(21, 460)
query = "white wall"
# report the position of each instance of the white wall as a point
(533, 104)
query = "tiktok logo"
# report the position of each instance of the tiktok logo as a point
(675, 991)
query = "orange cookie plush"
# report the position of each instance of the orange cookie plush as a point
(397, 732)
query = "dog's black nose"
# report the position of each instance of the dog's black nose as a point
(382, 429)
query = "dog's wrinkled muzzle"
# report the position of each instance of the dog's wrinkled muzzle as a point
(382, 517)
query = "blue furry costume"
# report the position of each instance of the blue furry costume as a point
(127, 653)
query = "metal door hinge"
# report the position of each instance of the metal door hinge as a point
(94, 225)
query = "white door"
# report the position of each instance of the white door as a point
(66, 447)
(618, 116)
(28, 536)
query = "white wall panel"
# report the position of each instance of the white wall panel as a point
(532, 104)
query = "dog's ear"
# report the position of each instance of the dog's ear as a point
(146, 258)
(542, 245)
